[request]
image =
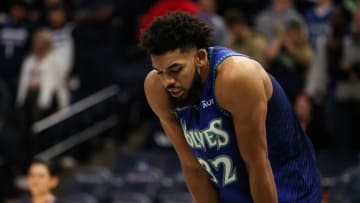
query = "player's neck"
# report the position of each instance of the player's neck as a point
(204, 72)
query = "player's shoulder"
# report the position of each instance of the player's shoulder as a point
(243, 74)
(239, 69)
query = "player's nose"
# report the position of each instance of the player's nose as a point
(168, 80)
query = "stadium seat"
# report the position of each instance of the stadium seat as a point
(175, 197)
(131, 197)
(79, 198)
(94, 181)
(138, 161)
(347, 187)
(137, 183)
(344, 160)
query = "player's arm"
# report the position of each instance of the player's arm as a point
(240, 89)
(197, 179)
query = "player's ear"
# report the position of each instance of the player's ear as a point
(201, 58)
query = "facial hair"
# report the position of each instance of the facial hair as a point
(193, 95)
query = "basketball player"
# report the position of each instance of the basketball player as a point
(230, 122)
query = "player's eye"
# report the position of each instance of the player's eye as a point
(176, 69)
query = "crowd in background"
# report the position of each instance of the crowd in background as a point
(56, 52)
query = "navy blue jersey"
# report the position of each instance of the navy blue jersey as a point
(209, 131)
(15, 38)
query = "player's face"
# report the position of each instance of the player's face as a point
(40, 180)
(179, 73)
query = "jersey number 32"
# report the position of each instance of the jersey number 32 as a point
(220, 162)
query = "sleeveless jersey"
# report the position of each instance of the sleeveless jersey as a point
(209, 131)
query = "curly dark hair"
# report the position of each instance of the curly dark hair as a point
(176, 30)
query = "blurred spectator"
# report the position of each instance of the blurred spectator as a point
(289, 56)
(318, 20)
(347, 92)
(15, 35)
(303, 109)
(62, 37)
(351, 58)
(311, 119)
(42, 87)
(244, 39)
(334, 46)
(208, 13)
(95, 44)
(39, 9)
(42, 75)
(328, 70)
(352, 5)
(249, 8)
(42, 179)
(277, 15)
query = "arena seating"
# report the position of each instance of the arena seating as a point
(79, 198)
(138, 177)
(93, 181)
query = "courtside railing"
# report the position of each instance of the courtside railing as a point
(66, 129)
(74, 109)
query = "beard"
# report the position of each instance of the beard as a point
(193, 95)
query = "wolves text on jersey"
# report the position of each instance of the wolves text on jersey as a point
(211, 137)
